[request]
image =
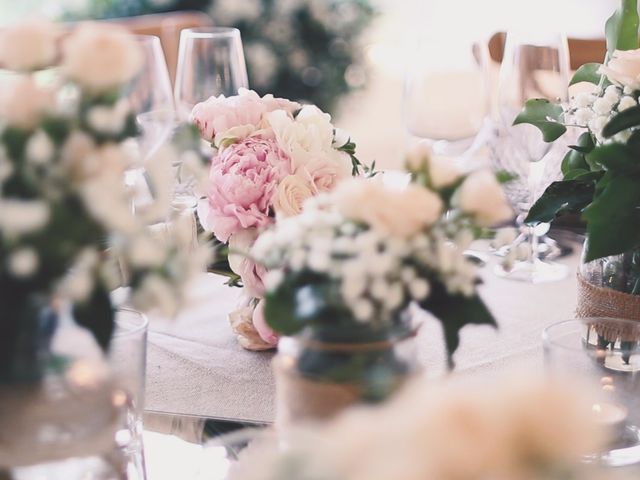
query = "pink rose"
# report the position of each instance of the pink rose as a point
(251, 273)
(244, 177)
(260, 324)
(217, 115)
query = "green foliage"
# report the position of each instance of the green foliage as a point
(587, 73)
(545, 115)
(568, 196)
(622, 121)
(613, 217)
(621, 28)
(454, 312)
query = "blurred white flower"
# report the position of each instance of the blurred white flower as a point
(419, 289)
(230, 12)
(40, 149)
(156, 293)
(362, 310)
(273, 279)
(583, 116)
(108, 119)
(29, 45)
(19, 217)
(603, 106)
(101, 57)
(482, 197)
(146, 252)
(23, 262)
(264, 63)
(442, 171)
(626, 102)
(23, 103)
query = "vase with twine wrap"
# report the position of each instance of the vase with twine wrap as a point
(319, 372)
(609, 287)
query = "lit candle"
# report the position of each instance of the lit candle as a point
(610, 415)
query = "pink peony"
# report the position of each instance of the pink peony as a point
(244, 177)
(217, 115)
(260, 324)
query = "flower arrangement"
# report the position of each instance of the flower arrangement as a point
(304, 50)
(350, 265)
(67, 229)
(271, 155)
(600, 172)
(508, 429)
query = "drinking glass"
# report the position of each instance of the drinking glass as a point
(151, 98)
(446, 94)
(210, 62)
(603, 353)
(535, 65)
(128, 361)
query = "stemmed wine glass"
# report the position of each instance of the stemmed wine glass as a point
(210, 62)
(446, 94)
(535, 65)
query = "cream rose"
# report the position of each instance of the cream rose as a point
(324, 172)
(101, 57)
(308, 135)
(29, 45)
(23, 103)
(623, 69)
(482, 197)
(400, 213)
(292, 192)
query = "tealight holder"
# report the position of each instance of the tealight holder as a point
(603, 353)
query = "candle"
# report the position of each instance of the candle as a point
(610, 415)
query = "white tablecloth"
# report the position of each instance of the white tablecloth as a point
(196, 367)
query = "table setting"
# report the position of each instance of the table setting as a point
(200, 281)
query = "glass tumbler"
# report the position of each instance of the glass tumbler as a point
(604, 353)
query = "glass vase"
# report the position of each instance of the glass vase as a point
(60, 405)
(319, 373)
(610, 286)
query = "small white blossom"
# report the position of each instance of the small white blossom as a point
(602, 106)
(583, 100)
(108, 119)
(627, 90)
(319, 261)
(626, 102)
(18, 217)
(362, 310)
(273, 279)
(394, 297)
(612, 94)
(23, 262)
(340, 138)
(583, 116)
(419, 289)
(353, 287)
(408, 274)
(40, 148)
(379, 289)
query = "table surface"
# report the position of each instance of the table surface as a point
(196, 367)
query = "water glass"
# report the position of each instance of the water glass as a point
(604, 353)
(210, 62)
(128, 361)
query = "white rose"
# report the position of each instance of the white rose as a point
(400, 213)
(23, 103)
(291, 195)
(324, 172)
(623, 69)
(101, 57)
(29, 45)
(482, 197)
(309, 134)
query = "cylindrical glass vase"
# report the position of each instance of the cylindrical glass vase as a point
(318, 376)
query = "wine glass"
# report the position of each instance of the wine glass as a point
(151, 98)
(446, 94)
(210, 62)
(535, 65)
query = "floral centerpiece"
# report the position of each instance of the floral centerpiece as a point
(601, 173)
(343, 273)
(68, 234)
(271, 155)
(506, 429)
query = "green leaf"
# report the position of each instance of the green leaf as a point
(97, 315)
(613, 218)
(587, 73)
(621, 28)
(569, 196)
(585, 143)
(454, 312)
(616, 157)
(576, 173)
(622, 121)
(573, 161)
(634, 141)
(544, 115)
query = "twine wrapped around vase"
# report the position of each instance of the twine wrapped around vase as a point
(299, 398)
(595, 301)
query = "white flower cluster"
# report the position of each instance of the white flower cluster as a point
(378, 274)
(594, 111)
